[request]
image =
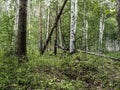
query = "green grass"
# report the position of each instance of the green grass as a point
(114, 54)
(66, 72)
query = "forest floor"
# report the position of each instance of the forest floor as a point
(62, 72)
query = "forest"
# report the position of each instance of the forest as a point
(59, 44)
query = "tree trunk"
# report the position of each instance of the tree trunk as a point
(55, 39)
(40, 12)
(22, 29)
(48, 22)
(59, 28)
(85, 33)
(73, 25)
(101, 28)
(29, 11)
(16, 25)
(118, 17)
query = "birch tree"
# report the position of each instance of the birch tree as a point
(74, 12)
(48, 19)
(55, 37)
(85, 32)
(28, 18)
(40, 13)
(16, 24)
(59, 26)
(101, 27)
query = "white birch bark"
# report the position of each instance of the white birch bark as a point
(41, 31)
(48, 22)
(85, 32)
(29, 12)
(101, 28)
(59, 28)
(16, 24)
(60, 34)
(73, 25)
(76, 14)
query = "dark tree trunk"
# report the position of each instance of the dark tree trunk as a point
(55, 42)
(22, 29)
(118, 16)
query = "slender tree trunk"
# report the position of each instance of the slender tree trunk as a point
(48, 22)
(73, 25)
(16, 25)
(76, 14)
(55, 39)
(22, 29)
(59, 28)
(101, 29)
(41, 41)
(29, 11)
(85, 33)
(118, 17)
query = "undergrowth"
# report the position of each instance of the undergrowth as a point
(68, 72)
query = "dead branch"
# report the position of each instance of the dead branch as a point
(54, 26)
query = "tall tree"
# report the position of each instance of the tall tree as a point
(48, 21)
(56, 36)
(118, 15)
(85, 33)
(73, 24)
(102, 26)
(59, 27)
(16, 24)
(28, 19)
(40, 13)
(22, 29)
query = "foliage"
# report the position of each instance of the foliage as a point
(6, 31)
(75, 72)
(63, 71)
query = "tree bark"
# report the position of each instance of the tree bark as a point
(16, 25)
(118, 17)
(85, 33)
(48, 22)
(40, 13)
(55, 39)
(101, 28)
(59, 27)
(73, 25)
(29, 24)
(22, 29)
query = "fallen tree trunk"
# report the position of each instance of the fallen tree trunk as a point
(54, 26)
(101, 55)
(65, 49)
